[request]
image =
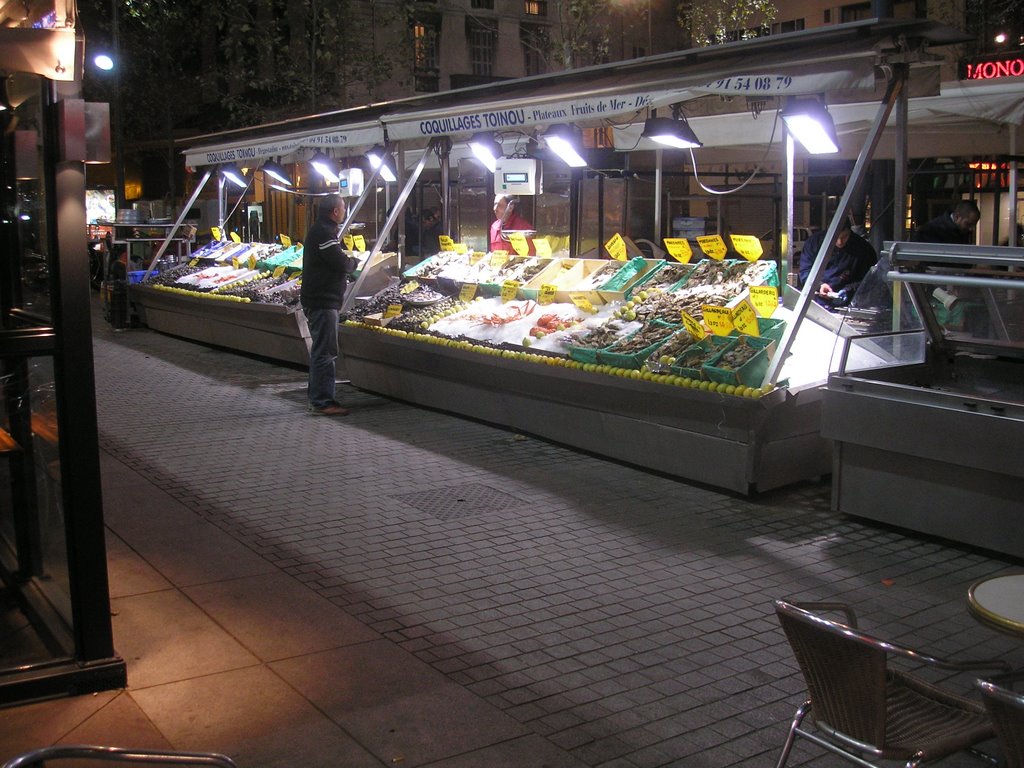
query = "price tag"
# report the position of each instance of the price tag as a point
(235, 238)
(498, 259)
(285, 240)
(461, 248)
(679, 249)
(409, 287)
(194, 263)
(765, 299)
(582, 301)
(747, 246)
(216, 233)
(616, 247)
(279, 271)
(359, 242)
(693, 327)
(234, 262)
(475, 256)
(349, 243)
(509, 290)
(467, 292)
(547, 294)
(519, 243)
(393, 310)
(713, 246)
(718, 319)
(446, 243)
(744, 319)
(252, 262)
(542, 247)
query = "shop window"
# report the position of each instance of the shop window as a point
(793, 25)
(482, 42)
(535, 7)
(535, 41)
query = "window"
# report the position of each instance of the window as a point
(425, 69)
(536, 7)
(487, 5)
(535, 42)
(793, 25)
(639, 51)
(855, 12)
(482, 42)
(828, 16)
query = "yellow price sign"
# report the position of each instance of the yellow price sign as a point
(616, 247)
(234, 262)
(446, 243)
(467, 292)
(519, 243)
(475, 256)
(285, 240)
(765, 299)
(509, 290)
(542, 247)
(744, 319)
(279, 271)
(409, 287)
(718, 319)
(713, 246)
(582, 301)
(393, 310)
(747, 246)
(235, 238)
(679, 249)
(348, 241)
(498, 259)
(359, 242)
(546, 294)
(252, 262)
(693, 327)
(194, 263)
(461, 248)
(216, 233)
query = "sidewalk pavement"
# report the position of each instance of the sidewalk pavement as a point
(406, 587)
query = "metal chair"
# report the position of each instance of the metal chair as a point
(38, 758)
(1006, 708)
(864, 709)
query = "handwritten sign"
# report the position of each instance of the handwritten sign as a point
(252, 262)
(446, 243)
(461, 248)
(348, 242)
(216, 233)
(747, 246)
(693, 327)
(582, 301)
(498, 259)
(359, 242)
(713, 246)
(279, 271)
(765, 299)
(679, 249)
(718, 319)
(542, 247)
(509, 290)
(235, 238)
(285, 240)
(234, 262)
(393, 310)
(409, 287)
(744, 319)
(546, 294)
(467, 292)
(519, 243)
(194, 263)
(616, 247)
(475, 257)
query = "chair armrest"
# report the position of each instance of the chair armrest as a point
(843, 608)
(960, 665)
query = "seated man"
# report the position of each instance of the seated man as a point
(849, 262)
(956, 226)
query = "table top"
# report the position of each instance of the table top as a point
(999, 601)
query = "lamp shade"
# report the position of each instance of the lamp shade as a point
(486, 149)
(276, 172)
(378, 158)
(671, 133)
(811, 124)
(565, 142)
(232, 173)
(325, 166)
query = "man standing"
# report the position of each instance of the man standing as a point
(956, 226)
(324, 270)
(849, 262)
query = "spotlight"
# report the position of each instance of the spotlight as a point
(378, 158)
(234, 175)
(486, 149)
(103, 61)
(671, 132)
(811, 125)
(565, 142)
(325, 166)
(276, 172)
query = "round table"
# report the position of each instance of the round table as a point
(999, 602)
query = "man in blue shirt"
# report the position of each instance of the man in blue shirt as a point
(849, 262)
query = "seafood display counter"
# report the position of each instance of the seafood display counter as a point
(614, 370)
(926, 432)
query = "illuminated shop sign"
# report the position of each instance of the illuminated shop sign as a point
(992, 70)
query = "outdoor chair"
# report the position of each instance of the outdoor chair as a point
(38, 758)
(862, 708)
(1006, 709)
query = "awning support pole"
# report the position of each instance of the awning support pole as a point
(659, 232)
(786, 252)
(181, 217)
(853, 186)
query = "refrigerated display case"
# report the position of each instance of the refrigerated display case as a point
(927, 422)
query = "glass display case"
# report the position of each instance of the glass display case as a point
(925, 420)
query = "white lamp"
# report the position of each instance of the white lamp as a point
(671, 132)
(486, 149)
(232, 173)
(378, 158)
(325, 166)
(564, 142)
(811, 125)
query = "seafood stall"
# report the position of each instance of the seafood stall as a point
(925, 421)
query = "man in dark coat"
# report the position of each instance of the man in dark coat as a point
(849, 262)
(956, 226)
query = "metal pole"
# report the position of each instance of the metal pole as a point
(786, 252)
(658, 228)
(1014, 234)
(178, 221)
(116, 106)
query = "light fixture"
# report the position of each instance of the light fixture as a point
(1000, 38)
(671, 132)
(276, 172)
(103, 61)
(234, 175)
(325, 166)
(486, 149)
(811, 125)
(565, 142)
(378, 158)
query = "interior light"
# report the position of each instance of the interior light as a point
(671, 132)
(277, 173)
(1000, 38)
(325, 166)
(234, 175)
(811, 125)
(565, 142)
(486, 149)
(378, 158)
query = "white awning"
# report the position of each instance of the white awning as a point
(353, 137)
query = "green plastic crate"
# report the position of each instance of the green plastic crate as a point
(768, 328)
(714, 344)
(752, 372)
(636, 359)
